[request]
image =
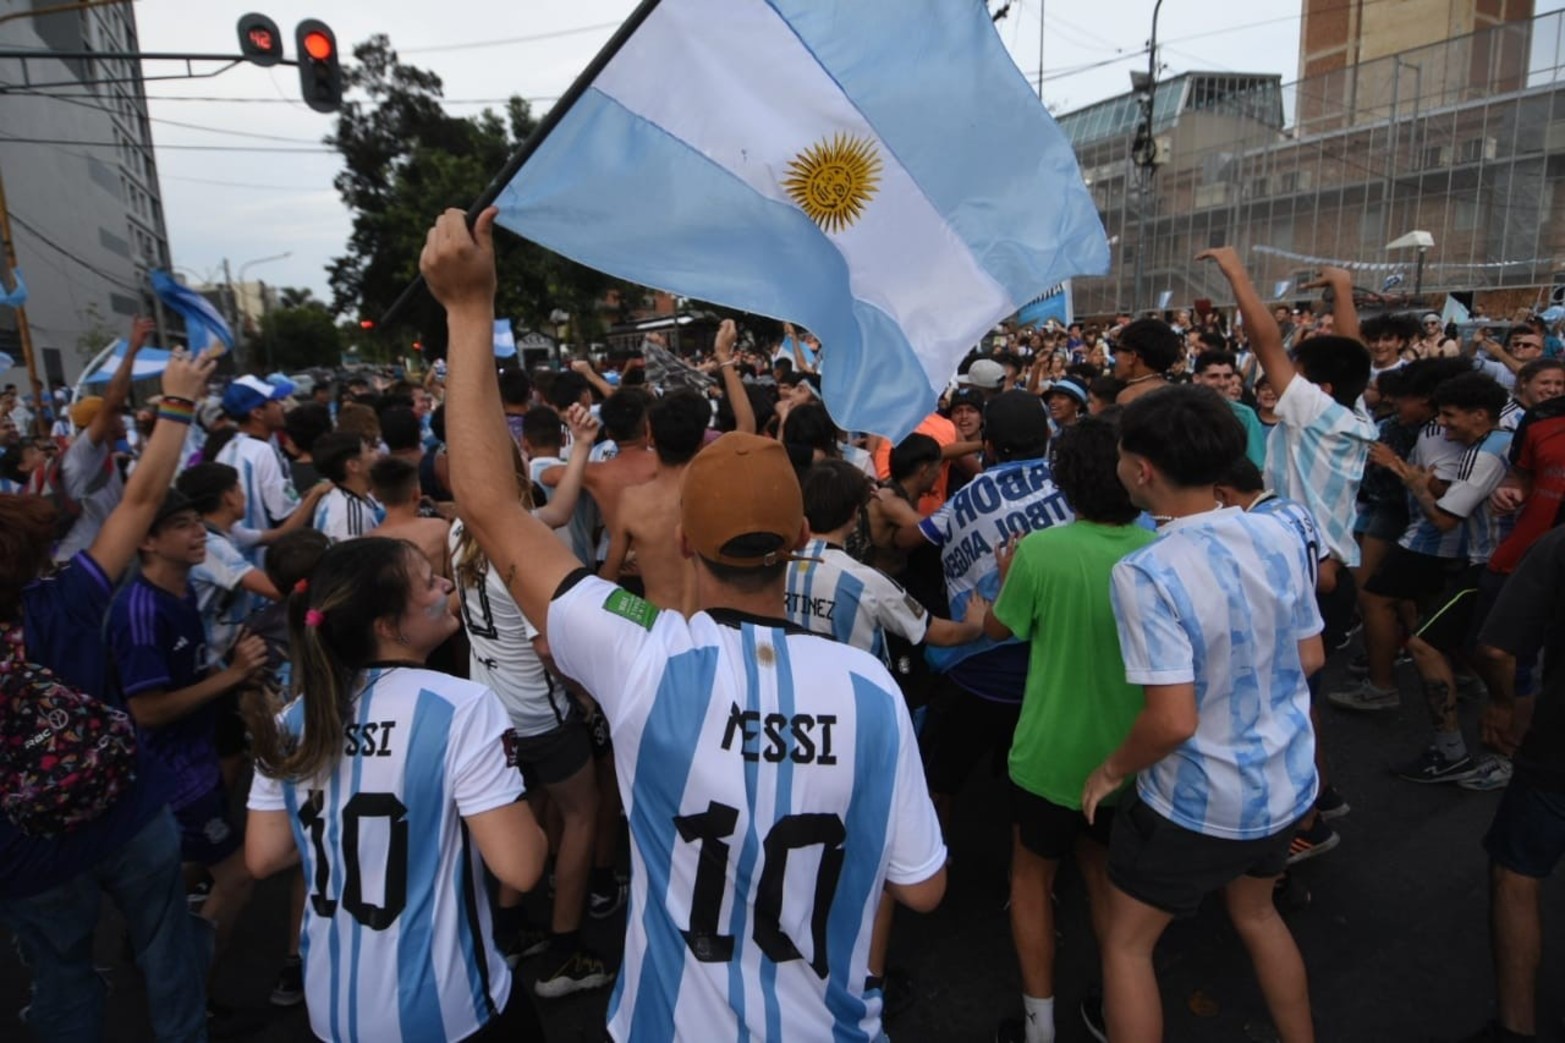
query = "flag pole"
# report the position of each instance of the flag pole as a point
(546, 125)
(23, 330)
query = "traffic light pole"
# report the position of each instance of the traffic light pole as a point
(24, 56)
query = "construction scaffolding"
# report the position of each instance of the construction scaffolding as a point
(1464, 139)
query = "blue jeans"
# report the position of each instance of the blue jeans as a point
(54, 932)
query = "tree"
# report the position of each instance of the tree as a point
(299, 337)
(406, 160)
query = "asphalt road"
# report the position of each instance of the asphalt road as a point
(1394, 935)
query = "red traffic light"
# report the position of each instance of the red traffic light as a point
(366, 324)
(259, 40)
(318, 46)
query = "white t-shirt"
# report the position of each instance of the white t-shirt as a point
(1223, 600)
(779, 759)
(831, 594)
(577, 533)
(344, 515)
(397, 940)
(502, 652)
(90, 478)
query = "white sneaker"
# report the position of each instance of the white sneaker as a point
(1364, 697)
(1492, 772)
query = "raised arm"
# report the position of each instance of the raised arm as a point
(733, 386)
(584, 431)
(588, 370)
(1265, 336)
(459, 266)
(118, 391)
(123, 530)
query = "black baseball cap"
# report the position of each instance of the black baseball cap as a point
(1017, 424)
(967, 396)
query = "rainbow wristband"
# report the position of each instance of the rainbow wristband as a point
(176, 412)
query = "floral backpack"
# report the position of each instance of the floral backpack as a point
(65, 757)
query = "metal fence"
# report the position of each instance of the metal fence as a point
(1464, 139)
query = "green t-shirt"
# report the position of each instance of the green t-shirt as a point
(1254, 433)
(1077, 707)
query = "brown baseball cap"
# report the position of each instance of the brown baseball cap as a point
(741, 502)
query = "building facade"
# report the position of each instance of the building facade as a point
(81, 184)
(1463, 138)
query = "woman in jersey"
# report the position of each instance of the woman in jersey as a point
(382, 778)
(554, 746)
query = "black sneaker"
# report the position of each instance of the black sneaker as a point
(1092, 1014)
(289, 988)
(1317, 840)
(528, 942)
(1331, 804)
(578, 972)
(1433, 766)
(601, 904)
(1011, 1030)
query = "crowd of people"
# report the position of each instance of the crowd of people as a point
(429, 647)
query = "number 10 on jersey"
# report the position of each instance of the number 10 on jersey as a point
(710, 829)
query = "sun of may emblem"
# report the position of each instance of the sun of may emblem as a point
(833, 180)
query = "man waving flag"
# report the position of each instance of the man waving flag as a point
(877, 170)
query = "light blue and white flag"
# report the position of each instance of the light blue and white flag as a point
(6, 362)
(878, 171)
(1280, 290)
(1164, 299)
(504, 339)
(17, 295)
(1054, 303)
(203, 323)
(150, 362)
(1453, 311)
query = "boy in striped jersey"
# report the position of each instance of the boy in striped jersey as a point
(1218, 624)
(1457, 521)
(771, 778)
(350, 510)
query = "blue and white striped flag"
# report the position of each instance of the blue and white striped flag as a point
(203, 323)
(878, 171)
(150, 362)
(504, 339)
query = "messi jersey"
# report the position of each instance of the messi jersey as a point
(773, 786)
(397, 940)
(1297, 517)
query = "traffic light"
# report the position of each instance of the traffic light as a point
(320, 75)
(259, 40)
(366, 324)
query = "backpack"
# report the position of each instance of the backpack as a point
(65, 757)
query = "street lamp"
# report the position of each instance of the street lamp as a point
(1421, 241)
(1143, 150)
(244, 312)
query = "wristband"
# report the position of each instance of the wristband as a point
(176, 400)
(173, 411)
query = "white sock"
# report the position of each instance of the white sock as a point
(1039, 1023)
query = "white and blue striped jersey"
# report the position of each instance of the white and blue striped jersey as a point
(224, 604)
(1445, 459)
(343, 514)
(1511, 414)
(832, 594)
(773, 786)
(1008, 499)
(268, 484)
(398, 939)
(1222, 601)
(1315, 456)
(1297, 517)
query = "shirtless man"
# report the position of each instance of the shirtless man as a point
(649, 513)
(624, 416)
(395, 482)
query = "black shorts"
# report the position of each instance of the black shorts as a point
(1528, 833)
(960, 730)
(1408, 576)
(1452, 625)
(228, 730)
(1337, 610)
(1172, 868)
(1382, 522)
(1050, 830)
(554, 756)
(598, 732)
(207, 833)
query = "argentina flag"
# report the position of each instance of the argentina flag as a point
(878, 171)
(203, 324)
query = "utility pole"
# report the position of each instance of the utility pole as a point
(39, 424)
(1143, 154)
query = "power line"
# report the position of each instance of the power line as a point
(108, 111)
(507, 41)
(183, 148)
(239, 184)
(57, 248)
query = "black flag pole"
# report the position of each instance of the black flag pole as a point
(550, 120)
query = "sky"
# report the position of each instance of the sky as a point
(250, 206)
